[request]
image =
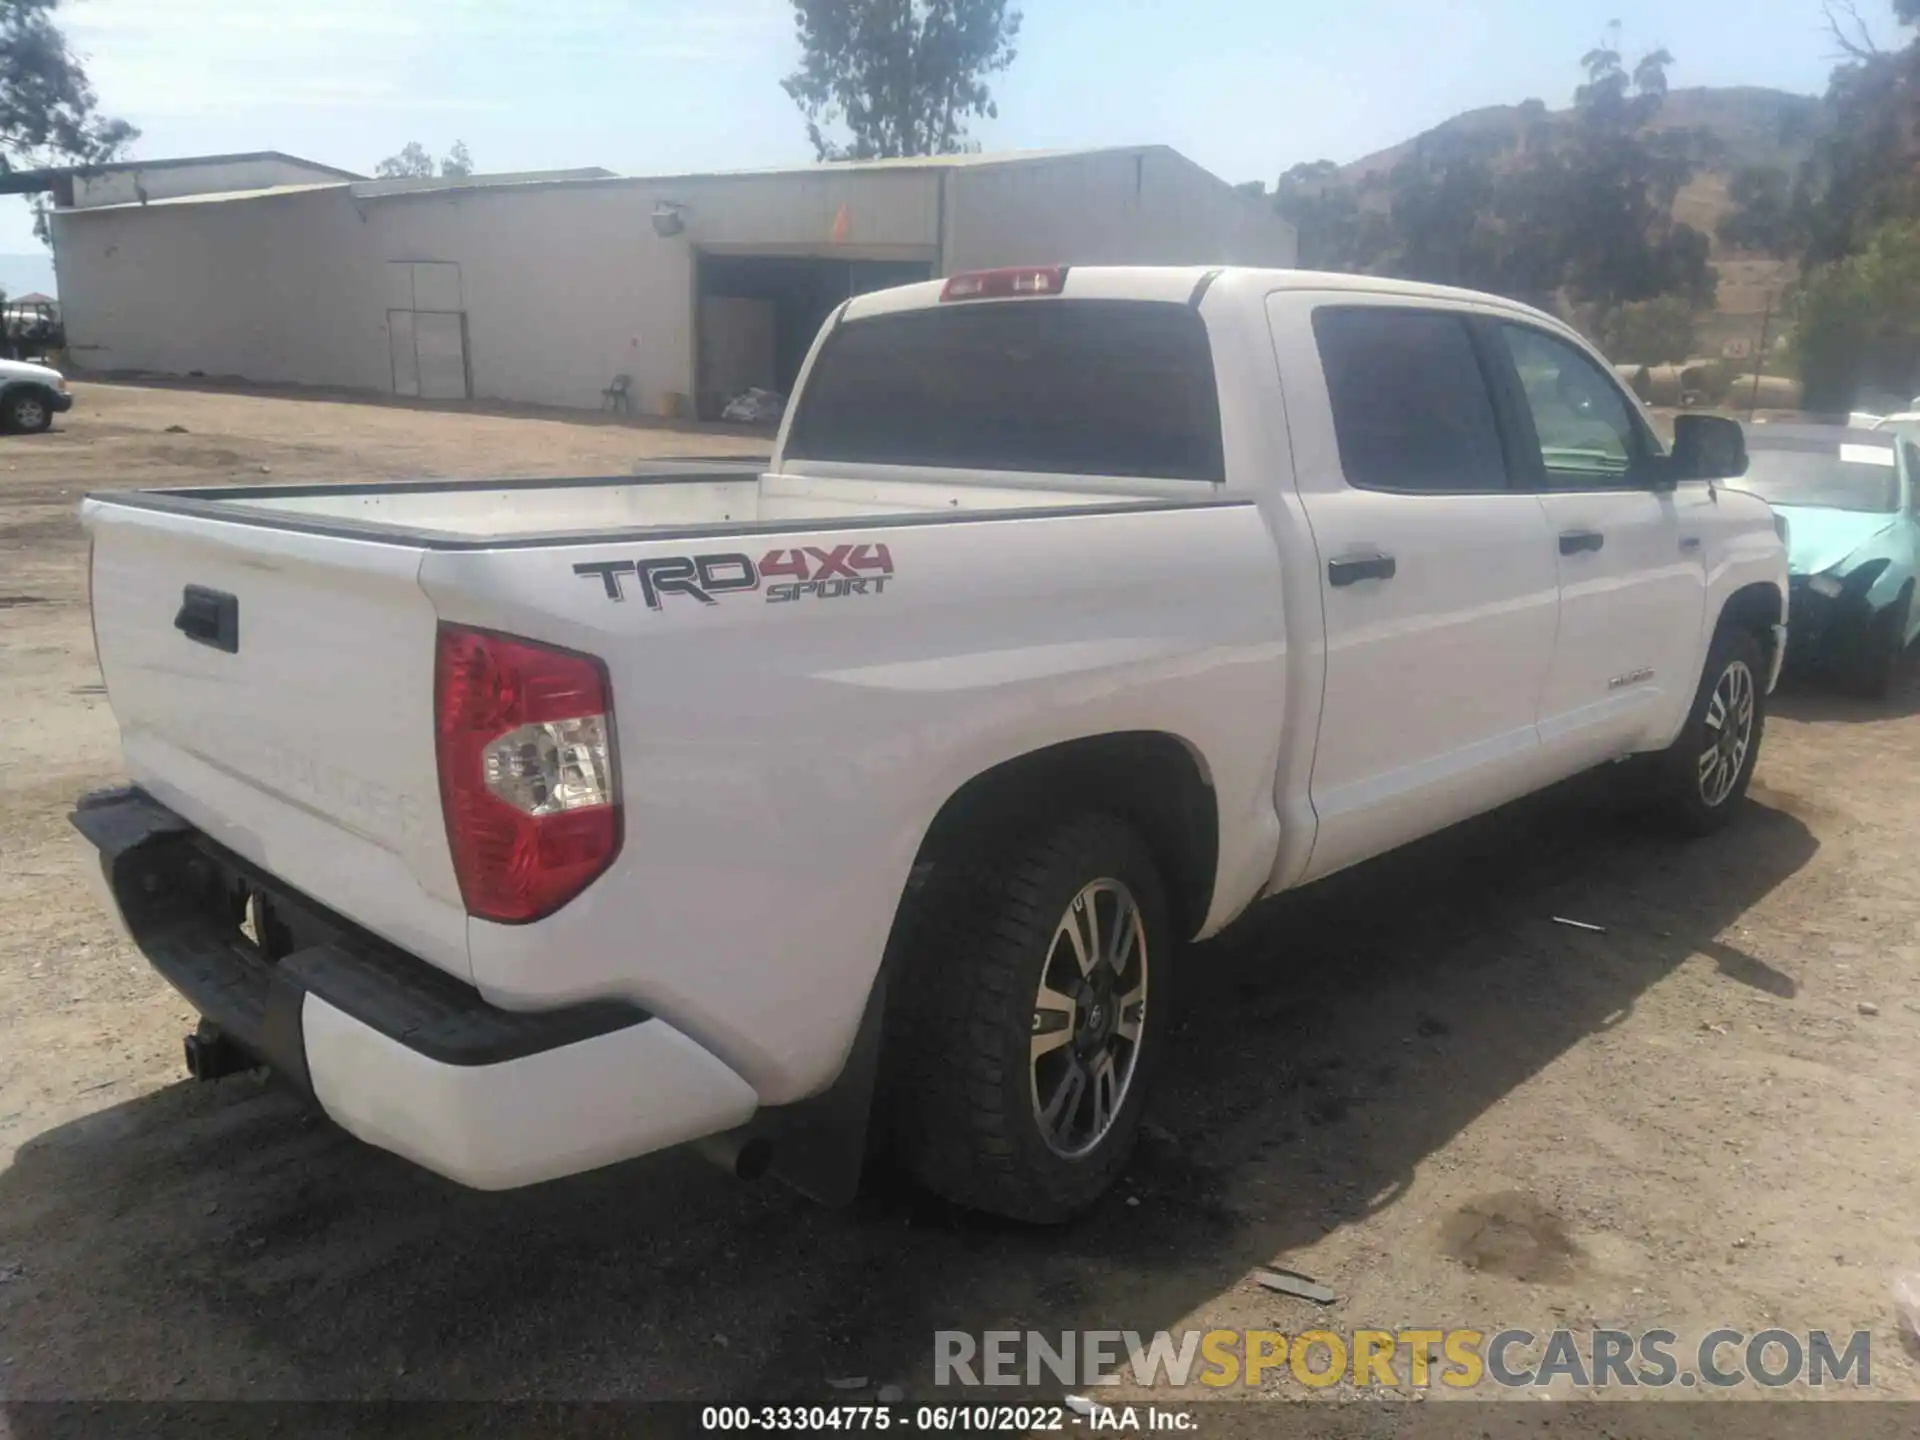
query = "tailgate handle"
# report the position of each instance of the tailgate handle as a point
(209, 617)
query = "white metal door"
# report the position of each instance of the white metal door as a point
(1437, 575)
(406, 365)
(426, 328)
(441, 350)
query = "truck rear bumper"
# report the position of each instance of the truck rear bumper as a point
(399, 1053)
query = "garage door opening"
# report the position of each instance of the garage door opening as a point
(758, 315)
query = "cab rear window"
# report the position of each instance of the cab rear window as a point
(1062, 387)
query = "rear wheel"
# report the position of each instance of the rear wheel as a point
(1701, 779)
(1030, 1019)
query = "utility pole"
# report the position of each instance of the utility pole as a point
(1760, 357)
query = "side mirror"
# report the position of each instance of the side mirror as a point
(1708, 447)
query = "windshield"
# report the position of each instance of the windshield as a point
(1844, 477)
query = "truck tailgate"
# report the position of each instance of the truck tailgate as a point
(294, 724)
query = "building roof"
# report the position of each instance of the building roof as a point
(426, 184)
(27, 182)
(32, 297)
(395, 189)
(974, 159)
(210, 197)
(379, 189)
(967, 161)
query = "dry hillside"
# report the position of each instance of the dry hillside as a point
(1738, 126)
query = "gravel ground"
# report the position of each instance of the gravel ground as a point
(1409, 1082)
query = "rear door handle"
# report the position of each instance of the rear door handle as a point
(1689, 542)
(1572, 542)
(1355, 568)
(209, 617)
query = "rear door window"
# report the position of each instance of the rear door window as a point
(1064, 387)
(1411, 407)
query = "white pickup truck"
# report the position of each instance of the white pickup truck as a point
(531, 825)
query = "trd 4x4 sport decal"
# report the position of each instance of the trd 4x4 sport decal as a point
(808, 573)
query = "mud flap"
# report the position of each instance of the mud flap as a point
(820, 1144)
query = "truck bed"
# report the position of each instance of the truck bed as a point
(661, 502)
(270, 650)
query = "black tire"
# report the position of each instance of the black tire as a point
(1683, 795)
(962, 1023)
(1881, 647)
(26, 412)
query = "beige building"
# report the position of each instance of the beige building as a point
(547, 287)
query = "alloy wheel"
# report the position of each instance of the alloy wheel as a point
(1729, 722)
(1089, 1014)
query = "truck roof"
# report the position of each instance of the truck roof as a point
(1180, 283)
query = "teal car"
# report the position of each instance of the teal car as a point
(1851, 500)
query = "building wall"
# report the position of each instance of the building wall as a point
(565, 286)
(123, 186)
(280, 288)
(562, 289)
(568, 286)
(889, 214)
(1147, 207)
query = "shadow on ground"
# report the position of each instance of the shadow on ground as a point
(1814, 696)
(218, 1241)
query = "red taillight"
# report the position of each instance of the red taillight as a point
(524, 734)
(1005, 284)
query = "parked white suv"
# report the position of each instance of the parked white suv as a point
(30, 396)
(531, 825)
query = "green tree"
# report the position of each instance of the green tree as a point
(1614, 204)
(1445, 206)
(414, 163)
(1548, 209)
(48, 111)
(1857, 321)
(1865, 167)
(1326, 216)
(899, 77)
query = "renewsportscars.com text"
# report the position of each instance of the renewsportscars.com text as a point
(1458, 1359)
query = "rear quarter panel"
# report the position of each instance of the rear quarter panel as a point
(781, 762)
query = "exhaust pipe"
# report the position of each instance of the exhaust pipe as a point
(743, 1156)
(211, 1055)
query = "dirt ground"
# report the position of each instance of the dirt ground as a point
(1410, 1083)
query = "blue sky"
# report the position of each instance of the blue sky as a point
(1245, 87)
